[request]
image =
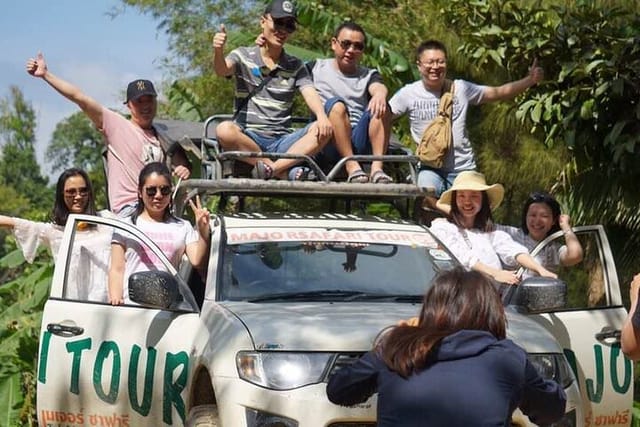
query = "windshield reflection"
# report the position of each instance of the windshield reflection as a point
(324, 270)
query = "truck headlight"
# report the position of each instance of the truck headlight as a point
(552, 366)
(282, 370)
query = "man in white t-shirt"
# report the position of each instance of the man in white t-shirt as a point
(130, 143)
(420, 100)
(355, 100)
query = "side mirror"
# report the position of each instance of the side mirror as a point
(539, 294)
(157, 289)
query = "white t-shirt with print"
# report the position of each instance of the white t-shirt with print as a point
(172, 238)
(422, 106)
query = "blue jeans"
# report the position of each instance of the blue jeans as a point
(359, 134)
(437, 179)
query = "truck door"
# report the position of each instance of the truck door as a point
(588, 329)
(109, 365)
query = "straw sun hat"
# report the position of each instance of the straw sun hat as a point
(474, 181)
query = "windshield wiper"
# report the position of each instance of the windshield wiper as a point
(364, 296)
(336, 295)
(308, 295)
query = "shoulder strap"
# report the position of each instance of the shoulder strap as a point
(128, 171)
(309, 65)
(446, 98)
(243, 103)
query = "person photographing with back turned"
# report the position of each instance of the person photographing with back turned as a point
(454, 368)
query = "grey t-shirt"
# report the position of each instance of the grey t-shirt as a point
(353, 88)
(268, 112)
(422, 106)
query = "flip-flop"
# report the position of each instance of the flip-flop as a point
(379, 177)
(262, 171)
(301, 173)
(358, 177)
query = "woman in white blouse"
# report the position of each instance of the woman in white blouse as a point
(88, 269)
(470, 234)
(541, 217)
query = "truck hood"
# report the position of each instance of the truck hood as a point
(351, 327)
(319, 326)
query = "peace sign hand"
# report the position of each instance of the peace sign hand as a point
(202, 218)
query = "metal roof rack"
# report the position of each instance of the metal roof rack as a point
(224, 174)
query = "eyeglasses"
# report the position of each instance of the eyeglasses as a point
(165, 190)
(73, 192)
(433, 62)
(283, 24)
(346, 44)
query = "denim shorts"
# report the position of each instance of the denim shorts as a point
(278, 144)
(359, 134)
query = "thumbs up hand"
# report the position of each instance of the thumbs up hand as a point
(220, 38)
(536, 73)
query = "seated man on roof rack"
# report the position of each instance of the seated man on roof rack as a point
(266, 80)
(355, 100)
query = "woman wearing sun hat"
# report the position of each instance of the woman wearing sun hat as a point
(470, 234)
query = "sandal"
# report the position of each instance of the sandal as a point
(301, 173)
(379, 177)
(262, 171)
(358, 177)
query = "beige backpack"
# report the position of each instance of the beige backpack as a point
(437, 137)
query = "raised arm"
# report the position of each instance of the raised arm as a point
(37, 67)
(573, 254)
(222, 66)
(512, 89)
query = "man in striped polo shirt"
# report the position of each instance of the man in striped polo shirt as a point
(266, 80)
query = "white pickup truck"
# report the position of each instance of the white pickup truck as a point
(287, 299)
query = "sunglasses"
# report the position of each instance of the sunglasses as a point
(284, 24)
(73, 192)
(165, 190)
(539, 197)
(346, 44)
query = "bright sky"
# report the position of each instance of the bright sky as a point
(81, 44)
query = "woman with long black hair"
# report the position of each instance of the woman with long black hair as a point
(90, 252)
(454, 368)
(175, 236)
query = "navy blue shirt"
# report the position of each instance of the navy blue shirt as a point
(476, 380)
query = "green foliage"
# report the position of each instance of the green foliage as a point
(21, 302)
(19, 168)
(588, 103)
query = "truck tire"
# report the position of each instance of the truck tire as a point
(203, 416)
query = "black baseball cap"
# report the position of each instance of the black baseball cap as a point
(282, 9)
(138, 88)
